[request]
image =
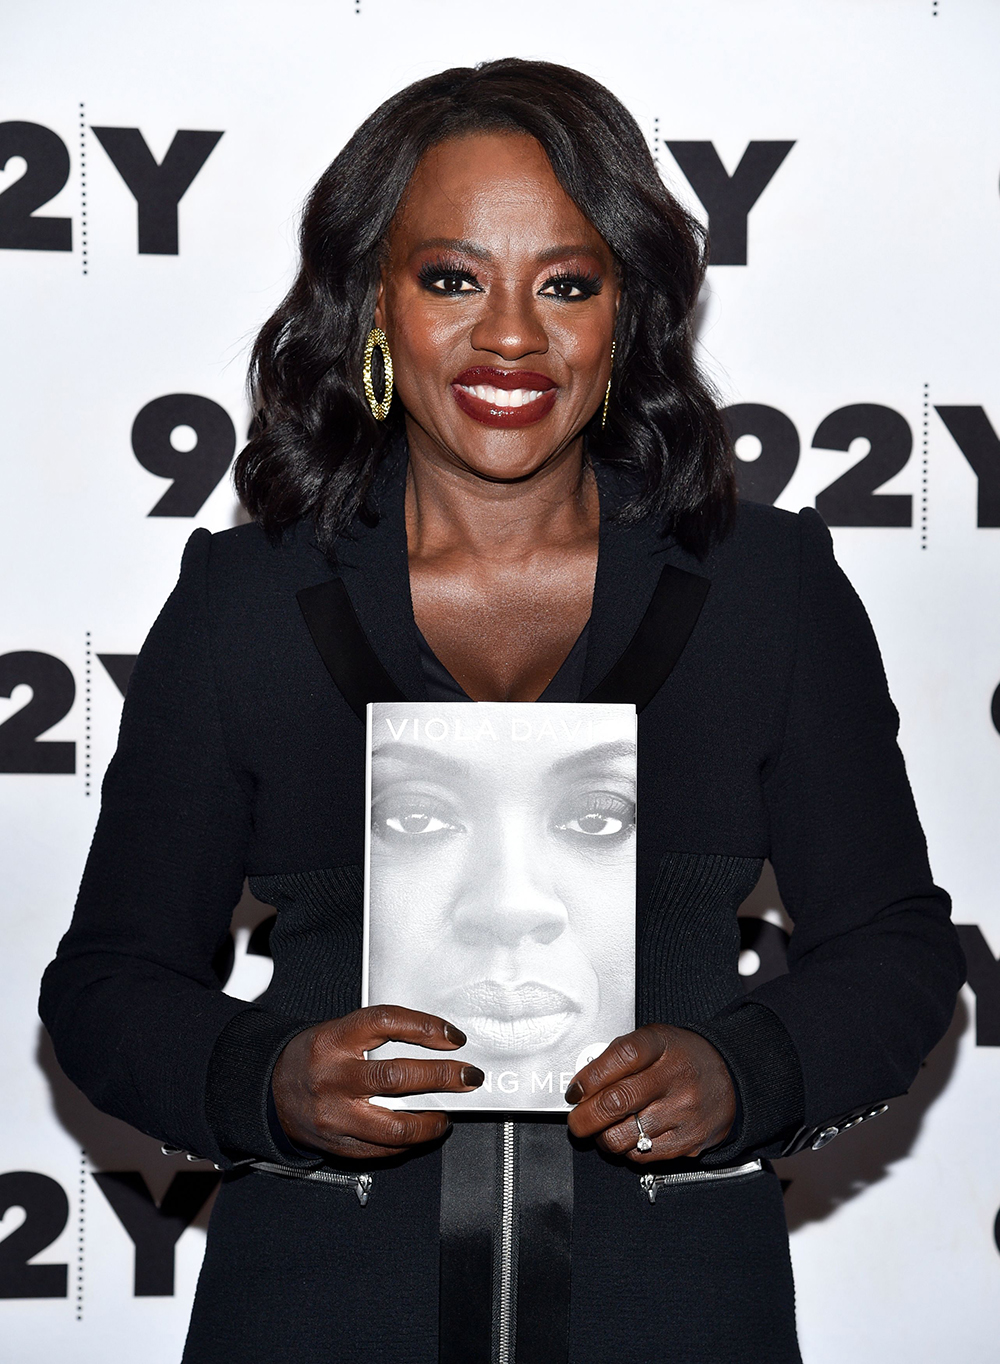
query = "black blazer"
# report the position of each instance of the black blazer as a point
(766, 732)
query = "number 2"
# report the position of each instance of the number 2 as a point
(53, 692)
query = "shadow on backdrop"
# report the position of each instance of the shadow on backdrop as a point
(110, 1144)
(819, 1182)
(823, 1180)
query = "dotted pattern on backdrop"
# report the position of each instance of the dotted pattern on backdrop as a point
(83, 189)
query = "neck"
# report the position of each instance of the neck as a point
(450, 507)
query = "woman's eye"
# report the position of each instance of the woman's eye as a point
(418, 822)
(601, 815)
(597, 825)
(440, 283)
(571, 287)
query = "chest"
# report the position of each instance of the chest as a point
(503, 628)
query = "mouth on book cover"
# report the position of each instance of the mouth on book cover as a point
(516, 1019)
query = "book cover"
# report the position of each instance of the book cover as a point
(500, 887)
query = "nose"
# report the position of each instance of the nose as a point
(507, 899)
(508, 324)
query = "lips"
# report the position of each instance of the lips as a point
(504, 397)
(512, 1020)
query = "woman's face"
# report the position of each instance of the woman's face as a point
(499, 300)
(502, 880)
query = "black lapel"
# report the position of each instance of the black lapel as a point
(350, 660)
(645, 605)
(373, 563)
(369, 642)
(658, 641)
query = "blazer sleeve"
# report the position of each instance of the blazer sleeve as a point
(874, 961)
(131, 1000)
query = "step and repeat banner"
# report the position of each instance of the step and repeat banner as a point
(845, 155)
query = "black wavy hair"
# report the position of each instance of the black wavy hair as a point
(315, 447)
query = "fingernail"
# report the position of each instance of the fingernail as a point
(455, 1035)
(472, 1076)
(575, 1093)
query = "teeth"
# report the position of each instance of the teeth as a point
(502, 397)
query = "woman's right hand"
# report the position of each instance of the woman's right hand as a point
(322, 1083)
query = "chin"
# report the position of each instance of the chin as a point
(513, 462)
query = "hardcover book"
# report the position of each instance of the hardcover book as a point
(500, 887)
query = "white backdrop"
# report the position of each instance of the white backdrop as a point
(871, 279)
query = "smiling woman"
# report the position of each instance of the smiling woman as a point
(518, 181)
(485, 468)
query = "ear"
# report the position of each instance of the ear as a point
(380, 305)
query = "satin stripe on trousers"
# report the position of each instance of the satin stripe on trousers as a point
(471, 1238)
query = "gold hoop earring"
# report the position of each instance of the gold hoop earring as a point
(607, 391)
(380, 410)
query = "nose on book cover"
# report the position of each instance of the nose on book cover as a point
(500, 888)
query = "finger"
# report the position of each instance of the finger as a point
(387, 1127)
(613, 1105)
(675, 1143)
(622, 1139)
(381, 1131)
(351, 1148)
(624, 1056)
(366, 1029)
(675, 1129)
(407, 1075)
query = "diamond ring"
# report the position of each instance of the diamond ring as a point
(644, 1143)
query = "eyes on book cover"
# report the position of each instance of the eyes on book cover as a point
(500, 887)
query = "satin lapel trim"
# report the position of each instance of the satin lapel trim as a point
(375, 571)
(629, 560)
(349, 658)
(644, 606)
(659, 639)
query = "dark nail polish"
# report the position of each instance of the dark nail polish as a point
(455, 1035)
(473, 1076)
(575, 1093)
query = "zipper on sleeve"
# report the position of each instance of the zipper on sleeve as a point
(361, 1184)
(652, 1184)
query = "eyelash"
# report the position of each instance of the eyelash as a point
(411, 805)
(600, 805)
(434, 271)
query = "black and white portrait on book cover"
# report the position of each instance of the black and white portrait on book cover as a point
(500, 886)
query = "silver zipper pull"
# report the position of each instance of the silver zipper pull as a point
(649, 1183)
(364, 1184)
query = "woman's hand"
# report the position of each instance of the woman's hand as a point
(322, 1082)
(675, 1080)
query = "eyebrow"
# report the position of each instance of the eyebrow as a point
(471, 248)
(416, 755)
(599, 754)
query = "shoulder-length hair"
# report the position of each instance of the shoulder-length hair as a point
(315, 447)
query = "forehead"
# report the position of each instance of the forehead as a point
(481, 185)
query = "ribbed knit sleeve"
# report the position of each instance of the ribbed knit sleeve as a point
(767, 1075)
(131, 1000)
(874, 962)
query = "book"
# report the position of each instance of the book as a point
(500, 887)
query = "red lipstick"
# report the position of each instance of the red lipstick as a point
(481, 392)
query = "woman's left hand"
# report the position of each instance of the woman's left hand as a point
(676, 1082)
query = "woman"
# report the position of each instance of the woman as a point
(502, 887)
(541, 508)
